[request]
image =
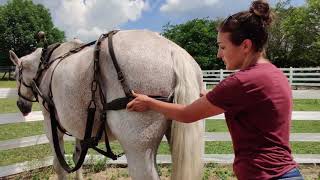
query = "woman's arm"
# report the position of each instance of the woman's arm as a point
(199, 109)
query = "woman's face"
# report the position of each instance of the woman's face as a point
(233, 56)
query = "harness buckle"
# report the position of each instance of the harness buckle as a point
(103, 116)
(89, 142)
(120, 76)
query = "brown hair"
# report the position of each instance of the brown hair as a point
(252, 24)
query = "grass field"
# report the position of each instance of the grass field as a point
(11, 156)
(19, 130)
(8, 105)
(7, 84)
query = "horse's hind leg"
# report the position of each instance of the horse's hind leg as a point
(76, 156)
(140, 136)
(142, 163)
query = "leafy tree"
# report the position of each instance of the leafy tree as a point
(20, 20)
(198, 38)
(295, 35)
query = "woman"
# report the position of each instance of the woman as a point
(256, 100)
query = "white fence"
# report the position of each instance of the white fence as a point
(296, 76)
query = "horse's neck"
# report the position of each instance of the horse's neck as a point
(71, 70)
(65, 48)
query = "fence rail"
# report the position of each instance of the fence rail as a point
(296, 76)
(5, 70)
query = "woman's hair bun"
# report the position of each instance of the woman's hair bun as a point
(261, 8)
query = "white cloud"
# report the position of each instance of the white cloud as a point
(184, 6)
(87, 19)
(205, 8)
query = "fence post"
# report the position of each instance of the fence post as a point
(221, 74)
(204, 127)
(291, 75)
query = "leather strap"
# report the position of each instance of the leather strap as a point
(121, 78)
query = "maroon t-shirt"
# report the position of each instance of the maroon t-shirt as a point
(258, 104)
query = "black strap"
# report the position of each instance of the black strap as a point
(56, 143)
(121, 78)
(121, 103)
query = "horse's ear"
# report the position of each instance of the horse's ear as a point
(14, 58)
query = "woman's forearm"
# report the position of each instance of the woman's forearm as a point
(171, 111)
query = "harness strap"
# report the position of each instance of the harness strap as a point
(121, 78)
(121, 103)
(56, 144)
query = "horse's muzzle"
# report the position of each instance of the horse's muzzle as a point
(25, 107)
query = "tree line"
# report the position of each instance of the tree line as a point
(20, 20)
(294, 39)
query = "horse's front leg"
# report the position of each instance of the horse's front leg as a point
(76, 156)
(61, 173)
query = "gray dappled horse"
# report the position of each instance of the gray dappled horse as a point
(151, 65)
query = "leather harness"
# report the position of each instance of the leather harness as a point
(117, 104)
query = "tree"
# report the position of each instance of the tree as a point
(20, 20)
(295, 35)
(198, 38)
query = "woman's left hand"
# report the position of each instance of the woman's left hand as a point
(140, 103)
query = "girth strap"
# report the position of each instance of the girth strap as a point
(121, 103)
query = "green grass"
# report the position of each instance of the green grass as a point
(7, 84)
(225, 147)
(41, 151)
(8, 105)
(297, 126)
(19, 130)
(306, 104)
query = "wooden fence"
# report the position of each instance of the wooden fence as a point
(7, 70)
(296, 76)
(209, 136)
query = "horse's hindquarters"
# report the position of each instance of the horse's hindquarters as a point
(137, 130)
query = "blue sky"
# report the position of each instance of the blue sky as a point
(87, 19)
(154, 19)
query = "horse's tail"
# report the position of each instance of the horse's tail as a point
(186, 139)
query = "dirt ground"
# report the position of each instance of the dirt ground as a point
(215, 172)
(211, 172)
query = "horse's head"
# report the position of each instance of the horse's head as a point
(26, 70)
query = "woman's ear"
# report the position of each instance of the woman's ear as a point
(247, 45)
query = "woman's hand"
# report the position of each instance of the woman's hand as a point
(203, 92)
(140, 103)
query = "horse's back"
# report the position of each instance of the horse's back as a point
(146, 58)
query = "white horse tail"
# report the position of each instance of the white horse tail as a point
(186, 139)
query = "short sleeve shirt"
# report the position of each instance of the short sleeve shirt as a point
(258, 106)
